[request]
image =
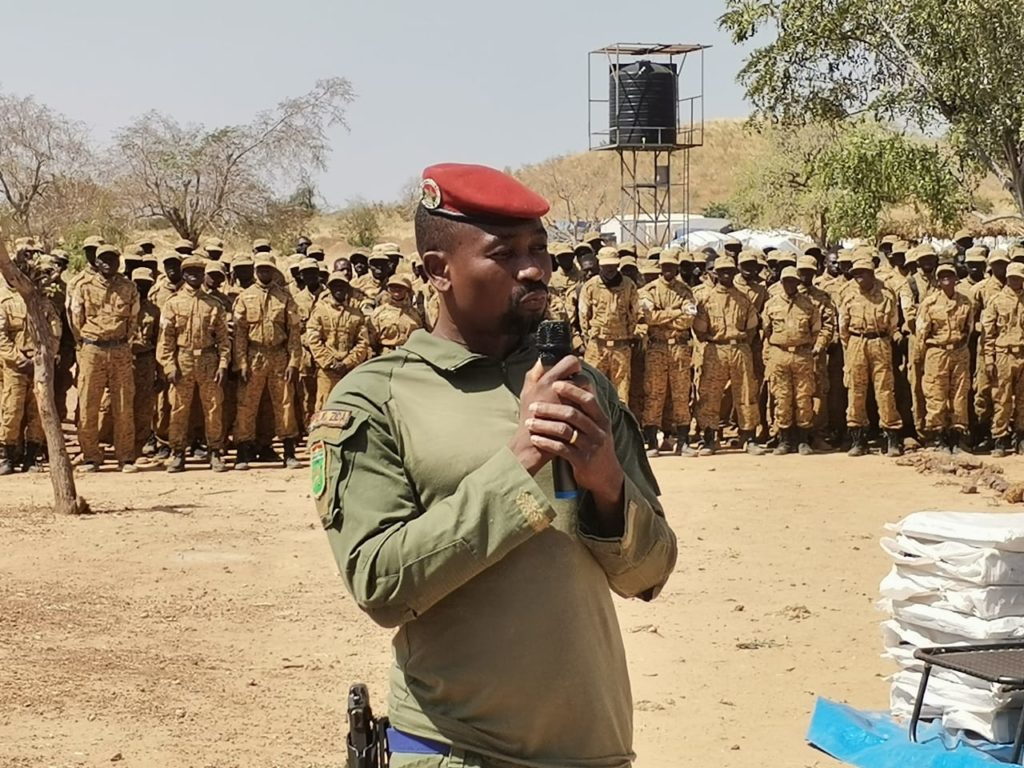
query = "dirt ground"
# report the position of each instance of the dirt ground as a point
(199, 620)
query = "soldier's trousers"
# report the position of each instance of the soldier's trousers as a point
(19, 412)
(266, 372)
(63, 380)
(947, 386)
(325, 381)
(145, 398)
(612, 358)
(791, 380)
(869, 366)
(667, 369)
(1008, 394)
(727, 364)
(915, 375)
(837, 394)
(305, 397)
(197, 376)
(822, 386)
(637, 364)
(983, 406)
(110, 368)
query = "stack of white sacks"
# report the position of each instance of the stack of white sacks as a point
(957, 579)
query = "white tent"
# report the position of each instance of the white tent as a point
(784, 240)
(705, 238)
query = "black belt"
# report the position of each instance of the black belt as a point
(105, 344)
(797, 348)
(869, 335)
(1016, 350)
(610, 342)
(948, 347)
(730, 343)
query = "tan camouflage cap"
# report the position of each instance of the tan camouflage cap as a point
(747, 256)
(243, 260)
(337, 277)
(260, 242)
(669, 256)
(945, 269)
(789, 272)
(1016, 269)
(216, 268)
(400, 280)
(627, 247)
(976, 254)
(724, 262)
(863, 265)
(560, 249)
(308, 263)
(107, 250)
(628, 261)
(193, 262)
(807, 262)
(142, 275)
(314, 249)
(608, 257)
(92, 241)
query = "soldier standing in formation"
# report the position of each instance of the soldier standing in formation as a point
(194, 354)
(1002, 324)
(336, 336)
(609, 308)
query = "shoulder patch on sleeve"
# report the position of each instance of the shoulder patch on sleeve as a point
(330, 418)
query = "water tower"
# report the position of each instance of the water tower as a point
(647, 120)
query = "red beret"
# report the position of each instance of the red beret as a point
(478, 192)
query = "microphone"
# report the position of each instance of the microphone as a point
(554, 342)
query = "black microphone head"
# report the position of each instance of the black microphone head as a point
(554, 341)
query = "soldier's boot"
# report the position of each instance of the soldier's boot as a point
(651, 438)
(958, 442)
(177, 462)
(265, 453)
(217, 462)
(290, 461)
(999, 447)
(31, 458)
(243, 455)
(935, 441)
(683, 447)
(707, 445)
(895, 445)
(7, 464)
(1020, 443)
(199, 450)
(163, 452)
(803, 439)
(857, 448)
(782, 447)
(750, 446)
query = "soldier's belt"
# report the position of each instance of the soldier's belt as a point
(105, 343)
(948, 347)
(611, 342)
(675, 340)
(198, 352)
(1014, 350)
(869, 335)
(730, 343)
(254, 347)
(796, 348)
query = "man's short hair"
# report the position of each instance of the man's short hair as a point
(434, 232)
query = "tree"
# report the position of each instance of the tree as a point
(44, 158)
(577, 188)
(717, 210)
(934, 65)
(65, 495)
(361, 223)
(839, 180)
(197, 178)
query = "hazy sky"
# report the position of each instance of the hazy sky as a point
(449, 80)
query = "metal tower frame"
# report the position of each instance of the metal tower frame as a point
(646, 174)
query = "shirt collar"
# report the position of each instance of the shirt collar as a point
(450, 356)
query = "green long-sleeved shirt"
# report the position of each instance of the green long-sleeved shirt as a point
(508, 643)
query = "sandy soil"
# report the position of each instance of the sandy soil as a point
(198, 620)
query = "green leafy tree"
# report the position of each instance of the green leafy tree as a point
(840, 180)
(935, 65)
(361, 223)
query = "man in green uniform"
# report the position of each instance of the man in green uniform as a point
(443, 519)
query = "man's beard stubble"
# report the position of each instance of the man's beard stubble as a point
(517, 322)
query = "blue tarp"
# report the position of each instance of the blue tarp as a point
(874, 740)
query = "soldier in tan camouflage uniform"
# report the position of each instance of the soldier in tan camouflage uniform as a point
(915, 290)
(194, 352)
(943, 326)
(726, 323)
(1002, 324)
(337, 336)
(19, 412)
(144, 364)
(981, 296)
(793, 331)
(807, 269)
(609, 309)
(104, 316)
(312, 287)
(267, 351)
(668, 309)
(869, 324)
(391, 324)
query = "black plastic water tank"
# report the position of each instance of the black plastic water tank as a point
(642, 100)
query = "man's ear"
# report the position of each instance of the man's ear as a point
(435, 264)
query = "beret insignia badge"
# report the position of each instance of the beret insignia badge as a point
(430, 194)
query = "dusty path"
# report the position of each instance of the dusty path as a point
(198, 620)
